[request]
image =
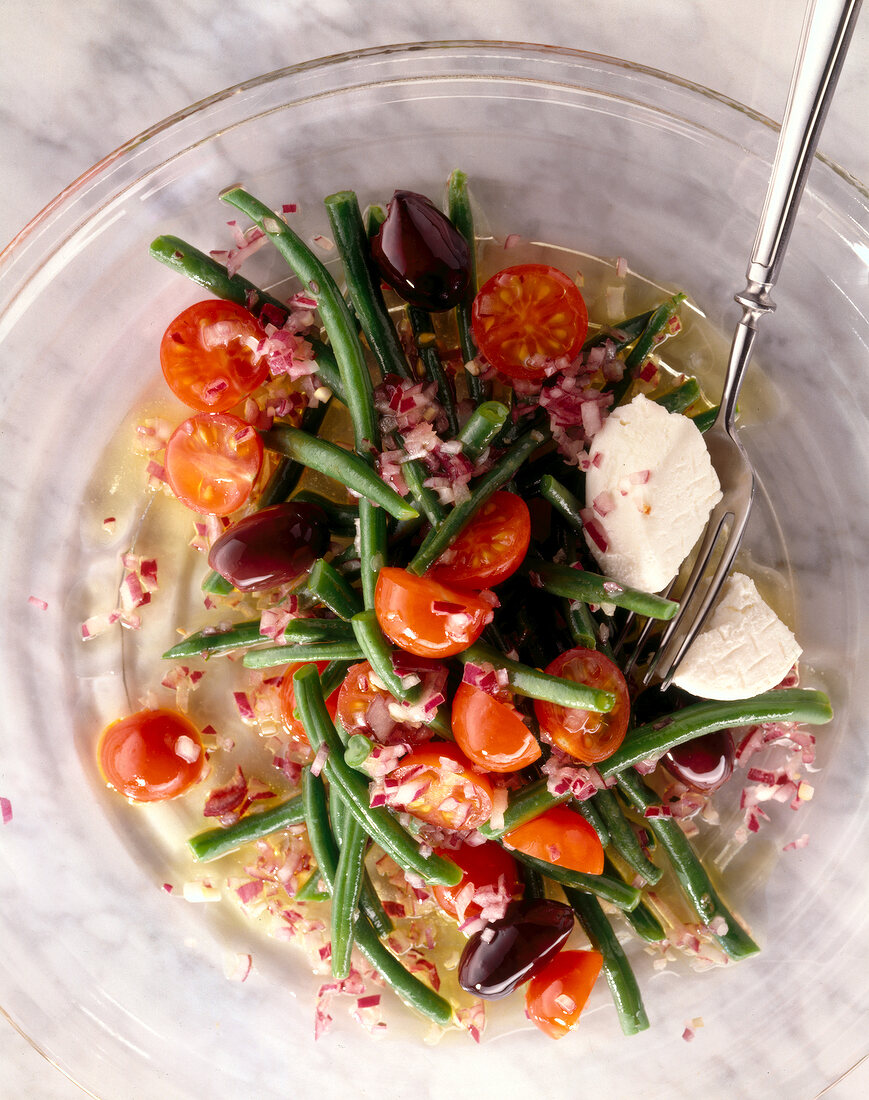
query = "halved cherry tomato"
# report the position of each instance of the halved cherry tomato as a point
(525, 316)
(425, 617)
(288, 704)
(491, 733)
(444, 789)
(212, 462)
(585, 734)
(363, 707)
(151, 755)
(490, 548)
(562, 837)
(555, 998)
(486, 867)
(206, 356)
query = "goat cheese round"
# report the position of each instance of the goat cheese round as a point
(650, 488)
(744, 650)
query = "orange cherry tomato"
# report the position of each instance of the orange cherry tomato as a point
(491, 733)
(288, 704)
(363, 707)
(151, 755)
(584, 734)
(525, 316)
(486, 866)
(447, 792)
(556, 996)
(426, 617)
(212, 462)
(490, 548)
(562, 837)
(206, 355)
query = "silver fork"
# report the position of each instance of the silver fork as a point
(826, 33)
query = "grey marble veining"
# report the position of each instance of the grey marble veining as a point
(77, 80)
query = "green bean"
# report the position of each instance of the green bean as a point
(215, 585)
(657, 322)
(377, 820)
(415, 993)
(581, 624)
(656, 738)
(620, 978)
(378, 653)
(628, 330)
(426, 345)
(623, 838)
(332, 460)
(290, 654)
(327, 586)
(534, 882)
(310, 889)
(426, 499)
(439, 538)
(211, 642)
(563, 500)
(680, 398)
(481, 427)
(214, 843)
(342, 517)
(345, 895)
(369, 903)
(614, 890)
(578, 584)
(642, 919)
(358, 750)
(692, 876)
(332, 676)
(524, 805)
(205, 270)
(707, 418)
(375, 216)
(363, 284)
(337, 813)
(590, 812)
(460, 214)
(373, 537)
(534, 684)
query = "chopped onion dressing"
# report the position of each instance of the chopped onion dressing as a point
(268, 874)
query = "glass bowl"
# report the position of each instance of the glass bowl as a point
(120, 983)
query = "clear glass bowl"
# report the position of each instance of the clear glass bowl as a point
(120, 984)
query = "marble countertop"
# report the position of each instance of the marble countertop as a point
(77, 80)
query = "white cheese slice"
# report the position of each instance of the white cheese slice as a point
(744, 649)
(651, 487)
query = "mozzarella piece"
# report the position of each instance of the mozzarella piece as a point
(651, 487)
(745, 648)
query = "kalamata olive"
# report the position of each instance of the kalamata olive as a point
(421, 254)
(703, 764)
(274, 546)
(509, 951)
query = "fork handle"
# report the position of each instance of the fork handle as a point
(827, 29)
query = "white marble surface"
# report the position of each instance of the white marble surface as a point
(79, 78)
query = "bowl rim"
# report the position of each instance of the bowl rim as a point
(334, 60)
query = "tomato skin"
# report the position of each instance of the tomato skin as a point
(527, 315)
(212, 462)
(562, 837)
(137, 755)
(491, 733)
(556, 996)
(288, 704)
(584, 734)
(490, 548)
(205, 357)
(487, 865)
(449, 777)
(409, 614)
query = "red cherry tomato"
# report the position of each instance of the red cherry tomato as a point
(363, 707)
(288, 704)
(527, 315)
(151, 755)
(446, 791)
(491, 733)
(490, 548)
(206, 356)
(555, 998)
(562, 837)
(212, 462)
(486, 866)
(585, 734)
(425, 617)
